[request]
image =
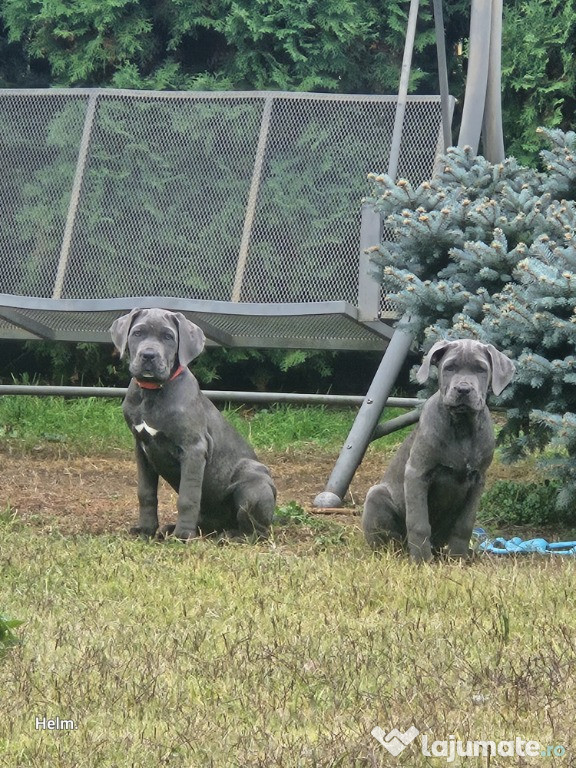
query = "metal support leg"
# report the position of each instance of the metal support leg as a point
(366, 422)
(477, 77)
(492, 131)
(393, 425)
(394, 157)
(442, 74)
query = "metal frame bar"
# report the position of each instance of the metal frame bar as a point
(492, 130)
(210, 95)
(394, 156)
(222, 396)
(282, 309)
(443, 75)
(477, 78)
(366, 421)
(373, 336)
(228, 396)
(393, 425)
(482, 111)
(75, 195)
(252, 199)
(10, 304)
(39, 330)
(369, 289)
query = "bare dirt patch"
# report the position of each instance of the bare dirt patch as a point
(97, 494)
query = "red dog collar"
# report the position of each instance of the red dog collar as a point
(143, 384)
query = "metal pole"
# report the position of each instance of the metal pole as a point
(493, 135)
(222, 396)
(394, 158)
(369, 289)
(477, 78)
(252, 199)
(393, 425)
(75, 195)
(369, 414)
(366, 421)
(442, 74)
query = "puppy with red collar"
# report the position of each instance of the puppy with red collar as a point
(181, 436)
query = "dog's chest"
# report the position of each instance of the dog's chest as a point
(467, 464)
(144, 424)
(155, 438)
(465, 450)
(160, 451)
(143, 430)
(457, 473)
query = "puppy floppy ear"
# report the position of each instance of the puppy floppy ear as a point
(502, 369)
(120, 329)
(434, 355)
(191, 339)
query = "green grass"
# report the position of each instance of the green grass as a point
(284, 654)
(287, 427)
(95, 425)
(277, 655)
(81, 426)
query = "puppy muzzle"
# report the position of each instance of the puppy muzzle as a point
(149, 363)
(463, 396)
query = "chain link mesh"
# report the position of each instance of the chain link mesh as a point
(170, 203)
(40, 135)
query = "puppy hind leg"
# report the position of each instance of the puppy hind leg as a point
(254, 500)
(380, 523)
(255, 509)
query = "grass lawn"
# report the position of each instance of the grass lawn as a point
(285, 654)
(95, 425)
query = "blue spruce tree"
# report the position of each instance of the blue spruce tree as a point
(489, 252)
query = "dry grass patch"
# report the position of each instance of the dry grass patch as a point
(285, 654)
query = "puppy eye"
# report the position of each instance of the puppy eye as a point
(168, 336)
(136, 332)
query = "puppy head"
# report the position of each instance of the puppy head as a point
(157, 341)
(466, 368)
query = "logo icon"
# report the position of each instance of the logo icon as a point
(395, 741)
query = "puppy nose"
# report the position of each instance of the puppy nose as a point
(148, 354)
(463, 388)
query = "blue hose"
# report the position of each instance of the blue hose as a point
(518, 546)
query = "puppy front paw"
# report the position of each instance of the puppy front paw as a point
(421, 553)
(142, 531)
(179, 532)
(165, 531)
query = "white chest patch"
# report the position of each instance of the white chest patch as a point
(146, 428)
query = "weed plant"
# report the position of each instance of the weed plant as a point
(7, 636)
(509, 502)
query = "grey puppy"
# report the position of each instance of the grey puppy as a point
(181, 436)
(429, 494)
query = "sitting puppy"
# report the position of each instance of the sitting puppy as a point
(181, 436)
(430, 492)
